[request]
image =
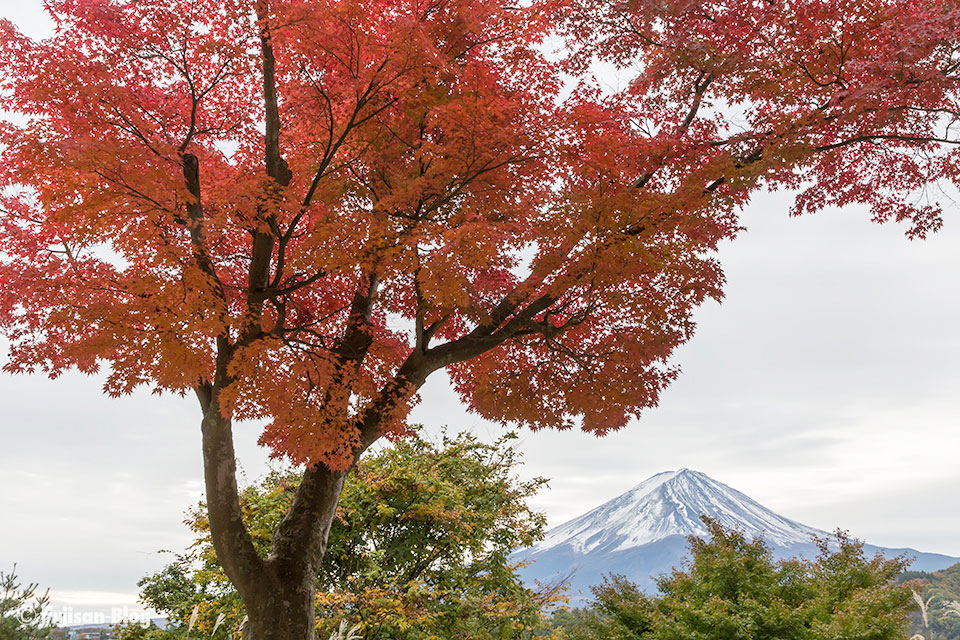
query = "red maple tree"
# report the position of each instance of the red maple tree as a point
(300, 209)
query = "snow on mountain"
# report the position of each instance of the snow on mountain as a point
(643, 533)
(669, 504)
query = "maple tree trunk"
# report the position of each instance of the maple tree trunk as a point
(278, 592)
(281, 607)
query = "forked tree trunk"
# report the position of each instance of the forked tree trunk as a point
(278, 592)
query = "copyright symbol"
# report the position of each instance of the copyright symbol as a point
(28, 616)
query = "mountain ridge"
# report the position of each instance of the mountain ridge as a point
(671, 503)
(643, 532)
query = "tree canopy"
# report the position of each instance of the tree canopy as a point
(301, 209)
(731, 588)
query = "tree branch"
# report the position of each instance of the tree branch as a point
(191, 174)
(229, 534)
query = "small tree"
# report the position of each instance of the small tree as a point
(731, 588)
(21, 609)
(420, 548)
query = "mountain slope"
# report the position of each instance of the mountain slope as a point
(643, 532)
(669, 504)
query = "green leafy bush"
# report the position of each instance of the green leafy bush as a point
(731, 588)
(420, 549)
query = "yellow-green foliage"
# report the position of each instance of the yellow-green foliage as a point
(420, 548)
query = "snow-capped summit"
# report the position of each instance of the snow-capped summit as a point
(670, 504)
(643, 533)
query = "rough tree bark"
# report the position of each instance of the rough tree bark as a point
(278, 591)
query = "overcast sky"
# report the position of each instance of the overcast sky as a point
(825, 387)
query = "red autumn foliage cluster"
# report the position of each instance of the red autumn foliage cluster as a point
(302, 209)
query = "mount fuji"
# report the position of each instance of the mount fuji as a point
(643, 533)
